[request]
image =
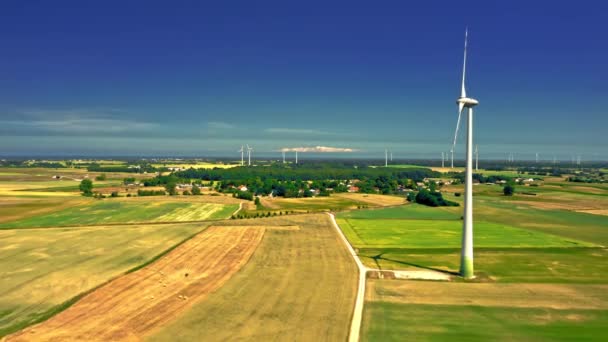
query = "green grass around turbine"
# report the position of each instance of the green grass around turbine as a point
(393, 233)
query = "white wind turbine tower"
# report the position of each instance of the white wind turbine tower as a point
(385, 157)
(249, 149)
(537, 157)
(283, 156)
(442, 160)
(466, 261)
(296, 156)
(452, 150)
(242, 150)
(391, 155)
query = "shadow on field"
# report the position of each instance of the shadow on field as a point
(380, 257)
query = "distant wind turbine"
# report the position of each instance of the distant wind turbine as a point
(385, 158)
(466, 261)
(242, 150)
(283, 156)
(442, 160)
(296, 156)
(249, 149)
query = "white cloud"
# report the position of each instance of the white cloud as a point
(318, 149)
(76, 121)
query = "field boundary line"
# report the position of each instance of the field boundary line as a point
(238, 209)
(355, 326)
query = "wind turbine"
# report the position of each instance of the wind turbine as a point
(385, 157)
(296, 156)
(452, 150)
(249, 149)
(391, 155)
(466, 259)
(442, 160)
(242, 150)
(283, 156)
(537, 157)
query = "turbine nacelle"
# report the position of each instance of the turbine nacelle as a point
(466, 102)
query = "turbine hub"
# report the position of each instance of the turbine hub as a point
(467, 102)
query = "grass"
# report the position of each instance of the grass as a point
(115, 211)
(298, 285)
(396, 322)
(44, 269)
(505, 265)
(400, 233)
(522, 241)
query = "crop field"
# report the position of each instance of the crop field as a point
(335, 202)
(540, 262)
(199, 165)
(311, 203)
(124, 211)
(299, 285)
(372, 199)
(42, 270)
(136, 304)
(399, 233)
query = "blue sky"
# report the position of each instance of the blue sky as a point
(203, 78)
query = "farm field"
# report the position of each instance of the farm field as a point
(42, 270)
(136, 304)
(124, 211)
(298, 285)
(540, 266)
(335, 202)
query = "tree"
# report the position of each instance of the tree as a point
(257, 201)
(170, 187)
(508, 190)
(101, 177)
(86, 187)
(196, 190)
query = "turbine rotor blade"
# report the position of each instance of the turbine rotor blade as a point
(460, 108)
(463, 92)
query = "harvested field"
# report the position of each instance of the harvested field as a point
(595, 211)
(134, 305)
(555, 296)
(43, 269)
(300, 284)
(373, 199)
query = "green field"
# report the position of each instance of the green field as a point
(122, 211)
(398, 233)
(42, 270)
(416, 322)
(533, 239)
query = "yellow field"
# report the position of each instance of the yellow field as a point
(373, 199)
(43, 268)
(134, 305)
(299, 285)
(198, 165)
